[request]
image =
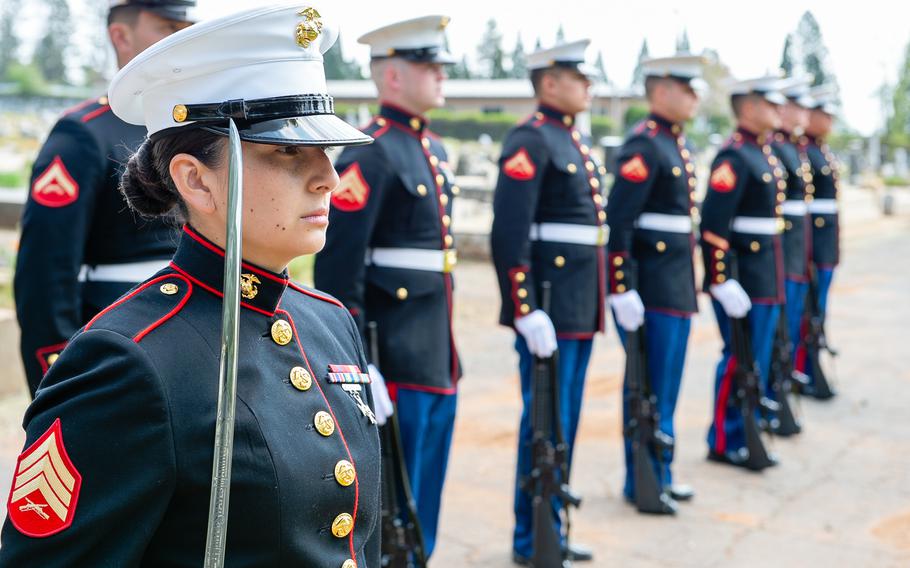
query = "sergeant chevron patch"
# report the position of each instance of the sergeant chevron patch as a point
(55, 187)
(520, 166)
(635, 169)
(352, 191)
(723, 178)
(45, 488)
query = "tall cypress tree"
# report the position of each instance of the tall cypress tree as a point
(50, 55)
(519, 68)
(637, 75)
(490, 53)
(9, 41)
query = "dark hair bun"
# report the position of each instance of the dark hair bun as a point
(145, 190)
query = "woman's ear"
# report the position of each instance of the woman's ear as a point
(196, 182)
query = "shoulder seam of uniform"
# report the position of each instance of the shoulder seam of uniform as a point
(312, 293)
(143, 287)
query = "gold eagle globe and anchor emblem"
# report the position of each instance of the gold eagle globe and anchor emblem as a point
(309, 29)
(248, 287)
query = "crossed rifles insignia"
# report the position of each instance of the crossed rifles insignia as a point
(309, 29)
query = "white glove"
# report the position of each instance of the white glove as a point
(629, 310)
(538, 331)
(732, 297)
(380, 393)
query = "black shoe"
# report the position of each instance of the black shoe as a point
(681, 492)
(577, 553)
(740, 459)
(520, 560)
(668, 505)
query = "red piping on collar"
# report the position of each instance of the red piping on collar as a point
(40, 354)
(208, 288)
(96, 113)
(259, 271)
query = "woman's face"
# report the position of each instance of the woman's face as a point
(285, 202)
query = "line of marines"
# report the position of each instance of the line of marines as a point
(768, 221)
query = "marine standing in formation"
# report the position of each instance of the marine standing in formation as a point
(118, 460)
(741, 223)
(79, 239)
(651, 211)
(390, 251)
(549, 226)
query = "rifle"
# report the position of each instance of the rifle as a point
(548, 480)
(402, 535)
(815, 341)
(642, 429)
(784, 380)
(747, 396)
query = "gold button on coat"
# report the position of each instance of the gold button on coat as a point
(819, 222)
(559, 261)
(52, 358)
(402, 293)
(621, 288)
(324, 423)
(524, 309)
(440, 179)
(456, 190)
(415, 124)
(661, 246)
(349, 564)
(446, 220)
(595, 183)
(620, 275)
(345, 474)
(754, 246)
(425, 143)
(169, 288)
(520, 277)
(301, 379)
(766, 177)
(343, 525)
(718, 254)
(572, 168)
(522, 293)
(282, 334)
(449, 240)
(421, 190)
(434, 160)
(590, 166)
(677, 171)
(444, 199)
(617, 261)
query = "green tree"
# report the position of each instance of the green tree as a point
(97, 60)
(898, 123)
(637, 76)
(9, 41)
(490, 53)
(682, 43)
(560, 35)
(337, 67)
(519, 68)
(50, 55)
(601, 68)
(460, 70)
(786, 58)
(28, 79)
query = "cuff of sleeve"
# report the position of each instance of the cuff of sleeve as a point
(522, 297)
(620, 269)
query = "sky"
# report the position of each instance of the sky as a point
(866, 40)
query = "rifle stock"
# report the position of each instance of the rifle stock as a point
(402, 534)
(815, 340)
(548, 480)
(748, 397)
(782, 378)
(648, 442)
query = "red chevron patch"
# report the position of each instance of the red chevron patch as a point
(42, 499)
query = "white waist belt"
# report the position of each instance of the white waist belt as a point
(823, 206)
(756, 225)
(126, 272)
(795, 207)
(413, 259)
(663, 222)
(569, 233)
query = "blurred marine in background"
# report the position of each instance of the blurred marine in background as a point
(390, 252)
(651, 211)
(81, 247)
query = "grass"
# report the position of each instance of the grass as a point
(13, 179)
(301, 269)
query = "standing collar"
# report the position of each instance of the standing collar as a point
(672, 128)
(203, 262)
(743, 135)
(401, 117)
(546, 111)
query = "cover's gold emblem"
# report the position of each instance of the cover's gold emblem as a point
(180, 113)
(310, 28)
(248, 287)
